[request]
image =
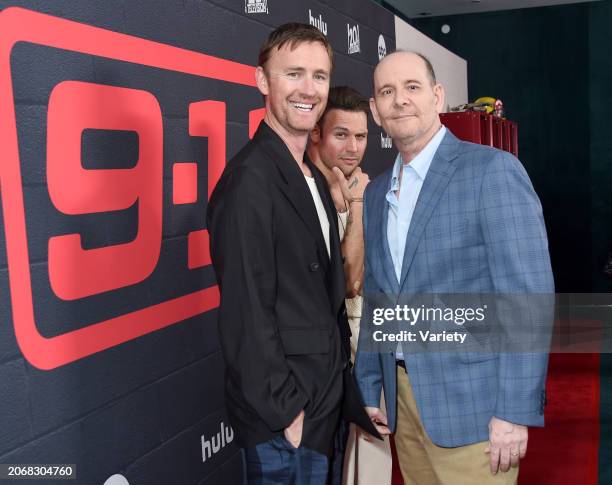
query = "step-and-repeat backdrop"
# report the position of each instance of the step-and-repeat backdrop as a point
(116, 119)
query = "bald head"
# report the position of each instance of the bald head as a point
(407, 100)
(410, 56)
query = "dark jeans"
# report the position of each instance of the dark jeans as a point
(277, 462)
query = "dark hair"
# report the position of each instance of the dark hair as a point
(346, 99)
(293, 34)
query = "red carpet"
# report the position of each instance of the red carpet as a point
(397, 475)
(565, 452)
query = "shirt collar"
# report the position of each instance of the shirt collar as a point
(421, 163)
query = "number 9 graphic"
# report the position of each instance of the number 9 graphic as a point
(75, 272)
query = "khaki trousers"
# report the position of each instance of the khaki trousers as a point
(424, 463)
(366, 461)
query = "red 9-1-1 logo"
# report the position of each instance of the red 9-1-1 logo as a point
(73, 107)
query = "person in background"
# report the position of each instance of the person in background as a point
(337, 146)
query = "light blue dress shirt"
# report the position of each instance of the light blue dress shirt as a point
(401, 209)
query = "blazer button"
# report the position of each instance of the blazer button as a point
(314, 267)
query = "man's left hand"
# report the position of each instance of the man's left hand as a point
(507, 444)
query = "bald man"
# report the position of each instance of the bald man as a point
(457, 218)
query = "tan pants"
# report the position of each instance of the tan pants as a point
(366, 461)
(424, 463)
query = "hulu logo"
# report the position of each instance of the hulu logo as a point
(220, 440)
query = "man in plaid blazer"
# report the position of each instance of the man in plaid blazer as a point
(449, 217)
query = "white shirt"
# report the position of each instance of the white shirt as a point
(316, 197)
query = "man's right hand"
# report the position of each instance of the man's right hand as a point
(293, 432)
(379, 419)
(354, 186)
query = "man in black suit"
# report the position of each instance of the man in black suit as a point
(276, 253)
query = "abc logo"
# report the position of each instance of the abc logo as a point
(382, 48)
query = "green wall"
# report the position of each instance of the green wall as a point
(600, 108)
(600, 69)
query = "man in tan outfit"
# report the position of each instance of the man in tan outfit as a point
(337, 145)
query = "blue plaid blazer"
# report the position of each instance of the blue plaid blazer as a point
(477, 228)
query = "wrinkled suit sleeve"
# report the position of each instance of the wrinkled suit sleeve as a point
(519, 263)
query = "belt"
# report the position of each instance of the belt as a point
(401, 363)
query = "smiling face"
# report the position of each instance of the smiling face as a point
(342, 139)
(296, 85)
(406, 103)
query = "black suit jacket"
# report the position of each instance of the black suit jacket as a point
(282, 321)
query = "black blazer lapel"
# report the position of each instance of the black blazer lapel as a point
(336, 281)
(334, 276)
(295, 187)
